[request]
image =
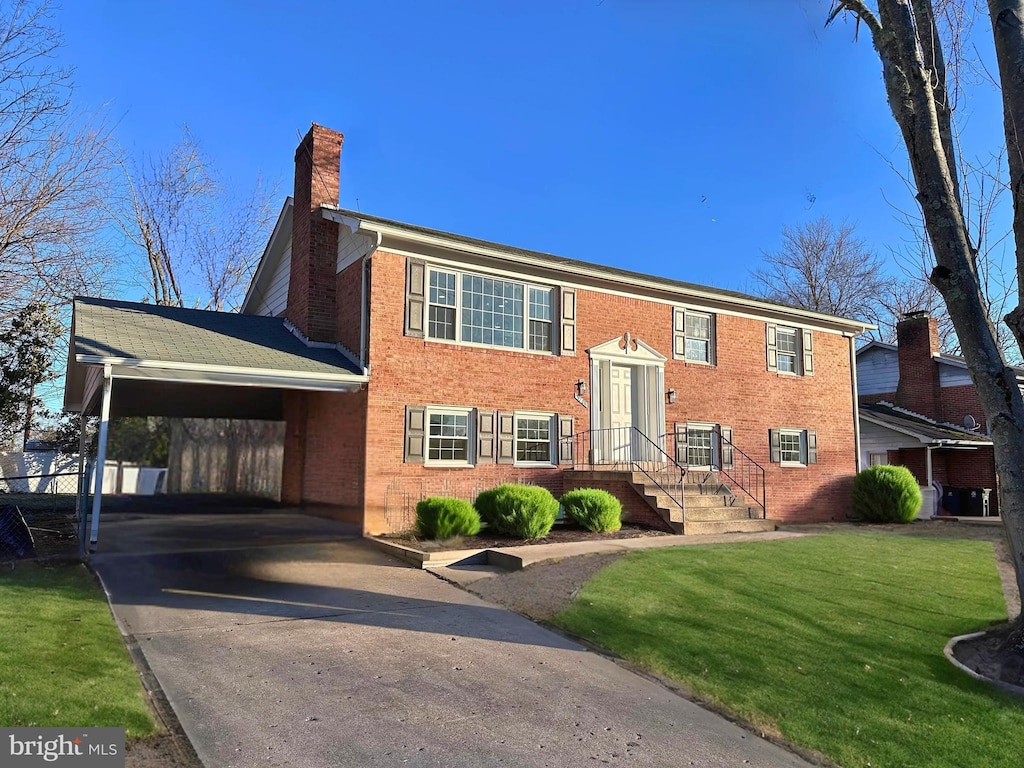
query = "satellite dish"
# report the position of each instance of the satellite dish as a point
(970, 423)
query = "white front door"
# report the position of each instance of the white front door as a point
(622, 412)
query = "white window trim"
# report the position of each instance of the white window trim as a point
(710, 339)
(552, 437)
(801, 434)
(798, 355)
(703, 426)
(470, 436)
(457, 341)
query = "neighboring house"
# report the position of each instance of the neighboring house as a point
(919, 409)
(460, 364)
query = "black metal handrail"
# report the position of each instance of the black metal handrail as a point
(627, 448)
(742, 471)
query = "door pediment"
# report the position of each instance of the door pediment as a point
(628, 350)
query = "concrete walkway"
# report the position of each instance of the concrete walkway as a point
(331, 653)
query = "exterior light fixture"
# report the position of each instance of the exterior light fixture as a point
(581, 387)
(671, 396)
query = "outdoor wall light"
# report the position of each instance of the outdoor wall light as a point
(671, 396)
(581, 387)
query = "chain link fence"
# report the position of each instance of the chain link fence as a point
(38, 517)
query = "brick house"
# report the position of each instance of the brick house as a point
(488, 363)
(408, 362)
(919, 409)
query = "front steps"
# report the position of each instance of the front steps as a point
(710, 505)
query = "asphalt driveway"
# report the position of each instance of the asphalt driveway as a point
(326, 652)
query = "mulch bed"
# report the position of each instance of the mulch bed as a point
(558, 535)
(986, 656)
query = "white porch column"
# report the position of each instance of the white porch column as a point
(83, 483)
(101, 458)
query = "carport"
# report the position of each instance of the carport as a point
(187, 363)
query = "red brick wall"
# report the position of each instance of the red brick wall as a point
(635, 509)
(327, 429)
(294, 446)
(738, 392)
(958, 402)
(311, 285)
(349, 291)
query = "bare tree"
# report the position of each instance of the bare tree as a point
(200, 243)
(54, 167)
(823, 266)
(910, 45)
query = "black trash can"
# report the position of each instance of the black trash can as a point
(951, 499)
(973, 502)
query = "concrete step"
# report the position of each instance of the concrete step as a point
(711, 514)
(691, 501)
(692, 527)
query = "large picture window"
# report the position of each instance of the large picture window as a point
(489, 310)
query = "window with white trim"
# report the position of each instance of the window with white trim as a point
(793, 446)
(788, 349)
(441, 306)
(693, 336)
(699, 445)
(449, 436)
(489, 310)
(698, 337)
(535, 442)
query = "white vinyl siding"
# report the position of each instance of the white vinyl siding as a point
(275, 299)
(477, 309)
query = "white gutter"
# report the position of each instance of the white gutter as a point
(651, 284)
(130, 362)
(364, 319)
(856, 403)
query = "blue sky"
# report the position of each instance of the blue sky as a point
(675, 138)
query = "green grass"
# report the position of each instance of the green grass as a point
(834, 642)
(62, 659)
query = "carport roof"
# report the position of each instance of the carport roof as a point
(928, 431)
(172, 344)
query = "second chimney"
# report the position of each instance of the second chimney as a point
(917, 338)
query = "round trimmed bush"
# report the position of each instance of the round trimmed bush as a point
(440, 517)
(593, 509)
(522, 511)
(886, 494)
(485, 505)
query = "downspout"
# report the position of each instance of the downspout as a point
(856, 403)
(364, 320)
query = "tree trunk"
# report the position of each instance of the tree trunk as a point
(911, 86)
(29, 415)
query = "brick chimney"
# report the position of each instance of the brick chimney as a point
(312, 302)
(917, 337)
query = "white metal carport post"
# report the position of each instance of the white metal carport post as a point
(101, 458)
(83, 483)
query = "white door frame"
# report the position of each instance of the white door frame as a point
(648, 384)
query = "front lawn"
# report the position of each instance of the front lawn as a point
(62, 660)
(833, 642)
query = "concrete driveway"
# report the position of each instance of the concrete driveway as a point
(326, 652)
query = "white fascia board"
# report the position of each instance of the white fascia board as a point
(226, 380)
(925, 439)
(825, 323)
(229, 370)
(288, 203)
